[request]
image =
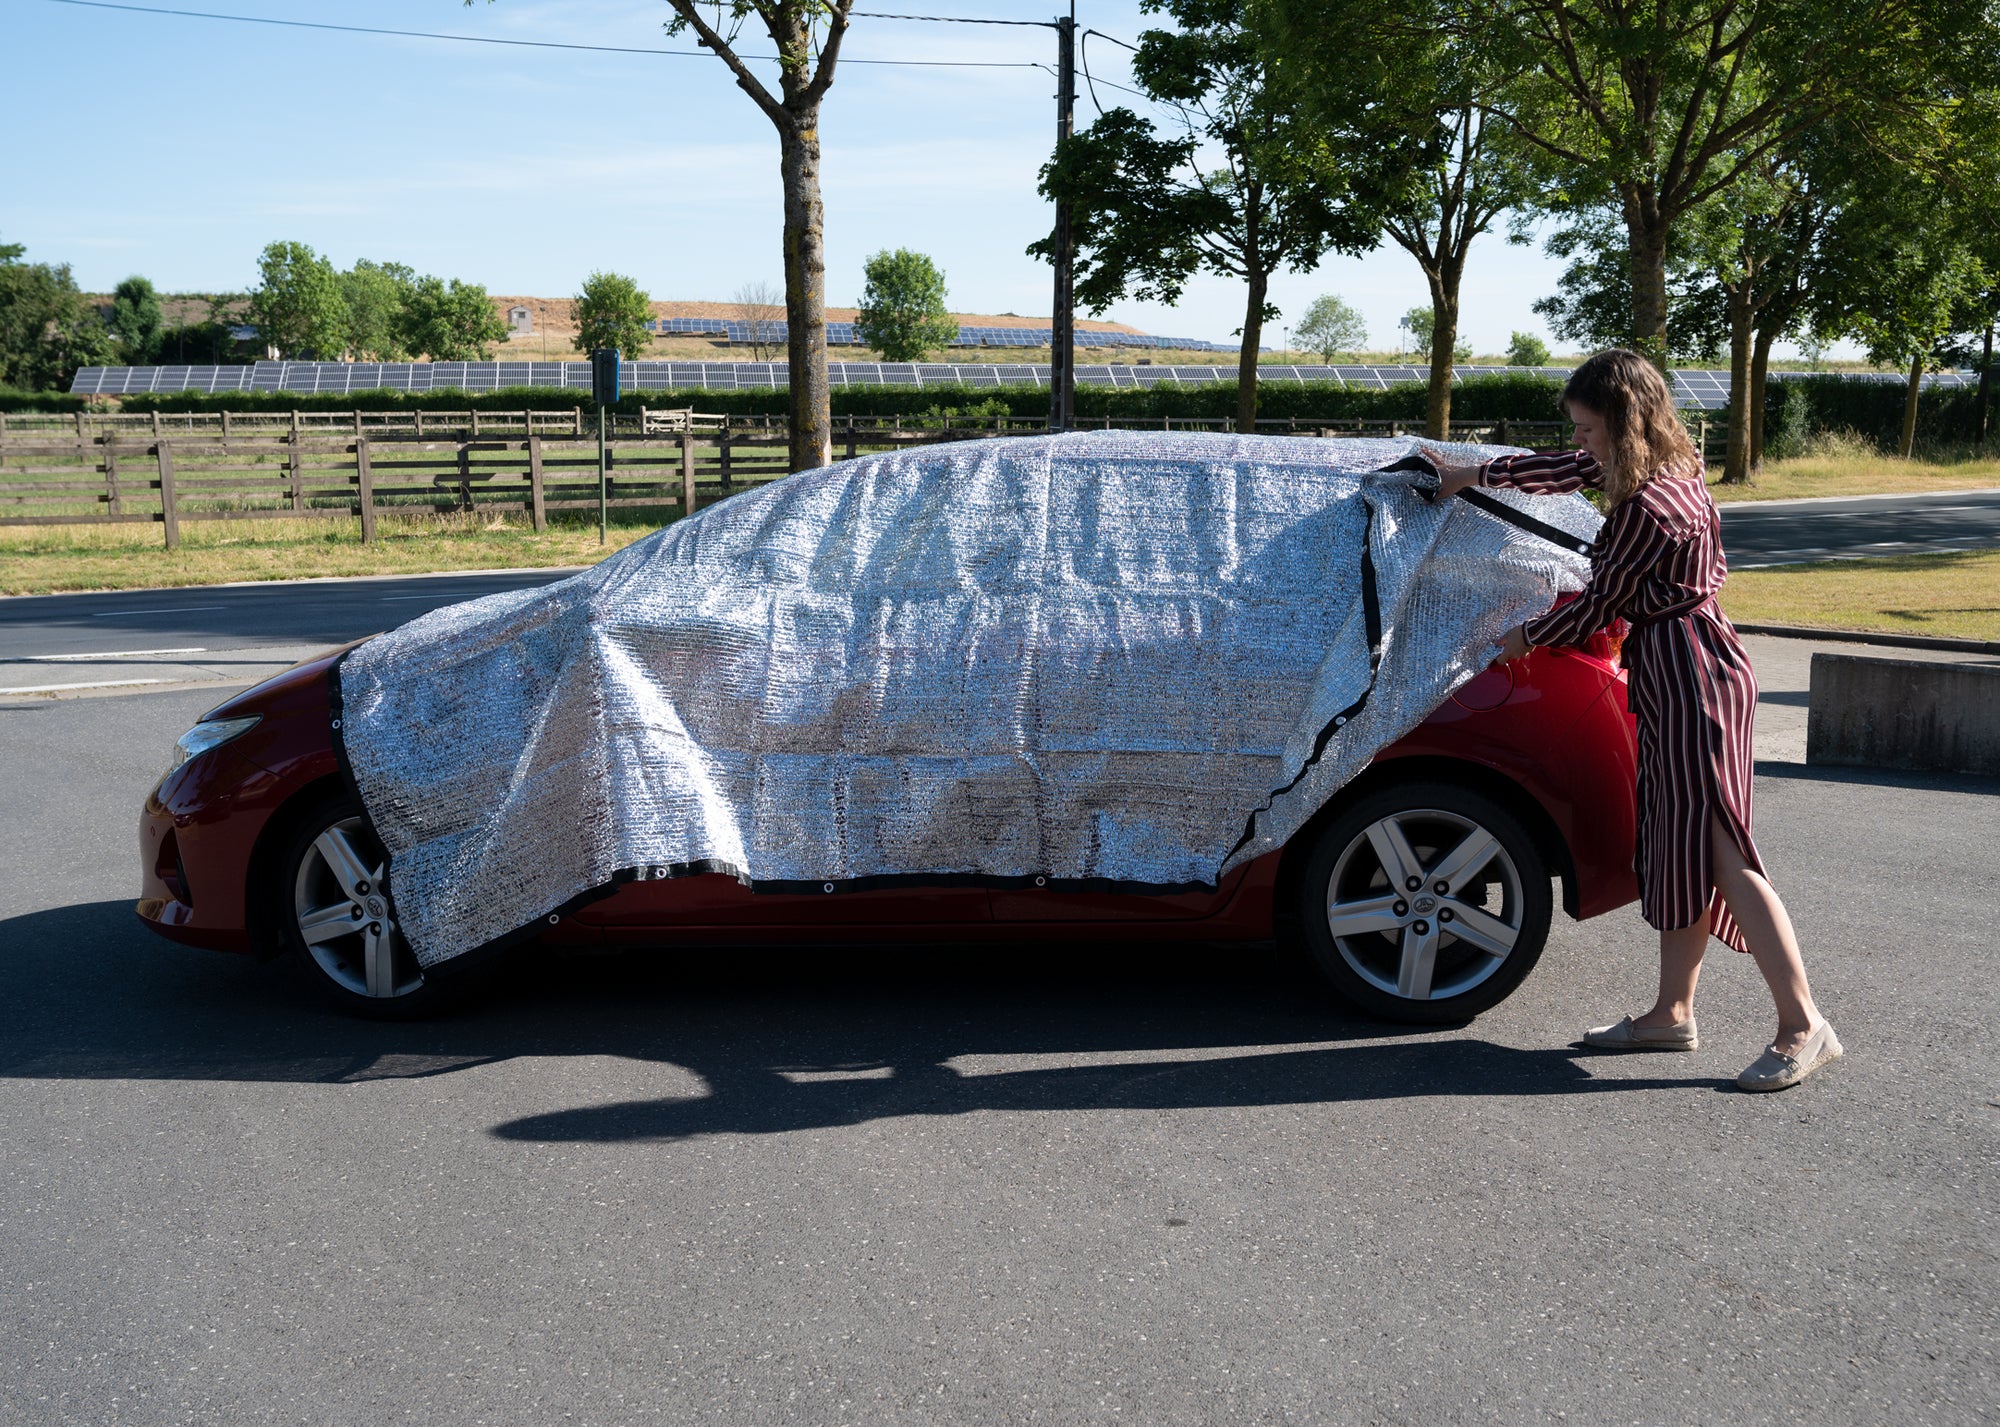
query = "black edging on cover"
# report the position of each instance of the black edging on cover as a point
(1372, 618)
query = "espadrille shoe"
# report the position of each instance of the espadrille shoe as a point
(1774, 1070)
(1626, 1036)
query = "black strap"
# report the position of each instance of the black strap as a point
(1554, 535)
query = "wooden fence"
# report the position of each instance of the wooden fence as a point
(167, 468)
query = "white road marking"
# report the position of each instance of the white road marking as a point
(170, 609)
(92, 684)
(107, 654)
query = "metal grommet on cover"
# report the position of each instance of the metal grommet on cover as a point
(826, 886)
(1339, 720)
(336, 723)
(1041, 881)
(554, 917)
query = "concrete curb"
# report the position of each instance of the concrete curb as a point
(1863, 636)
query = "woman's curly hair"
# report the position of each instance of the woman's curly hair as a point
(1637, 407)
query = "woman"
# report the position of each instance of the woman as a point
(1658, 562)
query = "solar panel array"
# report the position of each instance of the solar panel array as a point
(1698, 390)
(842, 334)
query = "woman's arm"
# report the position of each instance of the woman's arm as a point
(1543, 472)
(1535, 472)
(1628, 547)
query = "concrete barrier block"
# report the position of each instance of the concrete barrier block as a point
(1904, 713)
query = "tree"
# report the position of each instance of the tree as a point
(449, 321)
(902, 314)
(376, 294)
(1655, 107)
(47, 330)
(1422, 322)
(1525, 349)
(612, 311)
(137, 321)
(1362, 63)
(298, 306)
(1251, 187)
(1332, 328)
(761, 309)
(1592, 304)
(808, 35)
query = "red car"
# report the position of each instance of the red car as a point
(1422, 892)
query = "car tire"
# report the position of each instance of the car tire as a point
(1453, 945)
(329, 908)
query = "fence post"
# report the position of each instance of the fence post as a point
(113, 506)
(576, 421)
(420, 423)
(728, 483)
(357, 423)
(537, 502)
(687, 471)
(79, 424)
(475, 421)
(364, 473)
(465, 475)
(170, 516)
(156, 421)
(292, 468)
(850, 436)
(225, 426)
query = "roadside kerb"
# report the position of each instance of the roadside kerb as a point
(1923, 716)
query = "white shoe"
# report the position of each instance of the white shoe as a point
(1774, 1070)
(1626, 1036)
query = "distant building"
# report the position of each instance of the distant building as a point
(520, 320)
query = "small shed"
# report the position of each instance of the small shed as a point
(520, 319)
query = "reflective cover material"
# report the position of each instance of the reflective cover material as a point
(1077, 660)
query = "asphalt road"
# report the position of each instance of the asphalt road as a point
(1059, 1185)
(1760, 533)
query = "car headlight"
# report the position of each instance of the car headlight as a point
(211, 733)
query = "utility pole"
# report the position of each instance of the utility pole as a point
(1062, 322)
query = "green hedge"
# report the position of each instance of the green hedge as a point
(1522, 398)
(1797, 409)
(14, 399)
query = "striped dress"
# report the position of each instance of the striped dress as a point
(1658, 563)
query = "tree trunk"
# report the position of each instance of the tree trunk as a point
(1646, 231)
(1910, 405)
(1760, 387)
(805, 292)
(1444, 341)
(1983, 414)
(1736, 460)
(1246, 359)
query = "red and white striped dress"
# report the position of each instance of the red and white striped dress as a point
(1658, 562)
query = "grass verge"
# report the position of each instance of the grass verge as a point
(1848, 473)
(50, 559)
(1956, 596)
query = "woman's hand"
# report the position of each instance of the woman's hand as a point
(1452, 477)
(1514, 646)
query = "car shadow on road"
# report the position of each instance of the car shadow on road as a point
(778, 1040)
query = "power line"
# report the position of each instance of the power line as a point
(954, 19)
(519, 44)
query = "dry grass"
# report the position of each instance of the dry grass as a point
(52, 559)
(1840, 465)
(1953, 595)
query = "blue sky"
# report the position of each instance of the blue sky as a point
(178, 147)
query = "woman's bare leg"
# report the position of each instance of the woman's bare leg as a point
(1768, 930)
(1681, 952)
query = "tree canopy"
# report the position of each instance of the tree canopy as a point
(1331, 328)
(47, 330)
(903, 314)
(298, 305)
(612, 311)
(449, 321)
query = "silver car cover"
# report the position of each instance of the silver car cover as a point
(1081, 661)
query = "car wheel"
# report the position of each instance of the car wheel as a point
(1426, 902)
(333, 911)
